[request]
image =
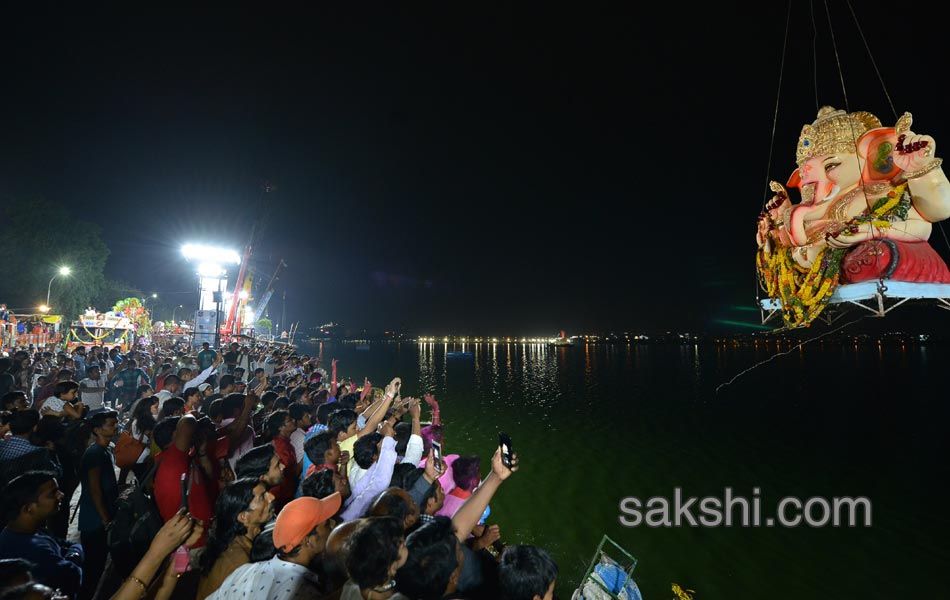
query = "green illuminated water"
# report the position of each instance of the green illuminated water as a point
(595, 424)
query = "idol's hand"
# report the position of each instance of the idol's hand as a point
(851, 236)
(762, 234)
(913, 152)
(773, 220)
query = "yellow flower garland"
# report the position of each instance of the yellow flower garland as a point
(804, 293)
(95, 338)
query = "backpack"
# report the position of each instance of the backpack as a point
(127, 450)
(135, 525)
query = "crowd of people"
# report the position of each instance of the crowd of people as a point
(267, 477)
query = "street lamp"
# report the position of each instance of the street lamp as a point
(43, 308)
(174, 310)
(145, 300)
(64, 271)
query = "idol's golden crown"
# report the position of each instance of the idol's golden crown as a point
(832, 132)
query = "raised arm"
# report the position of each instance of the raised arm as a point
(380, 408)
(415, 446)
(429, 474)
(372, 408)
(201, 377)
(376, 479)
(430, 400)
(333, 383)
(176, 530)
(471, 511)
(235, 429)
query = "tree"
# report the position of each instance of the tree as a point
(112, 291)
(264, 324)
(37, 237)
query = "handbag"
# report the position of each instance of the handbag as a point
(136, 523)
(127, 450)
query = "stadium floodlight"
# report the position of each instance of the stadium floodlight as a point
(211, 254)
(212, 270)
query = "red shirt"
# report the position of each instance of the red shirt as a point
(284, 492)
(172, 464)
(45, 392)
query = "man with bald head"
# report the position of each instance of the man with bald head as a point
(334, 554)
(396, 502)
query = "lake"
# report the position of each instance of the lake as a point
(594, 424)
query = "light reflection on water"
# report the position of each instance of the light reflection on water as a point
(594, 424)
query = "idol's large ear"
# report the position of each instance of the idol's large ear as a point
(795, 180)
(875, 151)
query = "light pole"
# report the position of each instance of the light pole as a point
(145, 301)
(211, 273)
(64, 271)
(174, 310)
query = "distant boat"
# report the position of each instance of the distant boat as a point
(363, 347)
(458, 355)
(562, 341)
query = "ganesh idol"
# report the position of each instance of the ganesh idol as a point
(868, 198)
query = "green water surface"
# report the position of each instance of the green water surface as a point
(595, 424)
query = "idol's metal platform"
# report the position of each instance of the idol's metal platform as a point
(873, 296)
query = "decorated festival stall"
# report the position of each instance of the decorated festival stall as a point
(101, 329)
(29, 330)
(120, 326)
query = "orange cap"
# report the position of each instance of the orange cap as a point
(298, 518)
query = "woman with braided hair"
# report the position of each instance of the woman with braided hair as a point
(241, 510)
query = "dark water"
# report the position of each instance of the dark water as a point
(596, 424)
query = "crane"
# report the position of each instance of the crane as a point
(268, 292)
(230, 325)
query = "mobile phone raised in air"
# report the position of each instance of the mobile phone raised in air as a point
(437, 456)
(504, 441)
(184, 493)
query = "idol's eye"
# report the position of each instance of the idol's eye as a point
(829, 167)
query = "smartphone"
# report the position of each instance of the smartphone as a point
(504, 441)
(184, 492)
(182, 559)
(437, 456)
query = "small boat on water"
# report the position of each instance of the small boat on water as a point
(562, 341)
(458, 354)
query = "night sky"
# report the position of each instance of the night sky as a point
(505, 170)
